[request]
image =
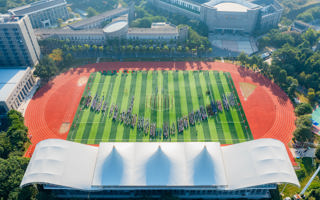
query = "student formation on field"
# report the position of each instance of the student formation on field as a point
(144, 125)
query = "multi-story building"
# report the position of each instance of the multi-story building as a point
(18, 44)
(270, 14)
(117, 29)
(43, 13)
(244, 16)
(158, 31)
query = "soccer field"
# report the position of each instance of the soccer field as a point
(160, 99)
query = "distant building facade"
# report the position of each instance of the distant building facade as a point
(244, 16)
(15, 85)
(118, 29)
(300, 26)
(43, 13)
(18, 44)
(270, 14)
(158, 31)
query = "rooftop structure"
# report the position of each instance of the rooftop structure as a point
(130, 167)
(9, 79)
(86, 36)
(15, 83)
(43, 13)
(300, 26)
(116, 26)
(158, 31)
(231, 7)
(96, 21)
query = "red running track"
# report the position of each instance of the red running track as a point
(268, 109)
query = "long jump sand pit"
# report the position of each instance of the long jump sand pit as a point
(267, 108)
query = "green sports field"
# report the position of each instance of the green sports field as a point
(161, 97)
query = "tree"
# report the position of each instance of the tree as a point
(304, 120)
(263, 42)
(311, 95)
(60, 21)
(46, 68)
(302, 109)
(165, 49)
(67, 60)
(286, 55)
(137, 48)
(144, 48)
(303, 134)
(317, 154)
(101, 49)
(11, 173)
(56, 55)
(91, 12)
(158, 49)
(243, 58)
(293, 84)
(306, 17)
(130, 48)
(12, 164)
(311, 36)
(282, 78)
(315, 193)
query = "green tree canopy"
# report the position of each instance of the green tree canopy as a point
(46, 68)
(11, 174)
(91, 12)
(303, 134)
(302, 109)
(304, 120)
(317, 154)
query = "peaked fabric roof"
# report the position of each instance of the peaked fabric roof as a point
(199, 164)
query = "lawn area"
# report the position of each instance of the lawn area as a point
(161, 99)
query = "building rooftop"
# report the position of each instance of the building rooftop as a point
(36, 6)
(7, 19)
(115, 26)
(266, 2)
(9, 78)
(231, 5)
(184, 164)
(66, 31)
(98, 17)
(152, 30)
(197, 2)
(159, 27)
(46, 33)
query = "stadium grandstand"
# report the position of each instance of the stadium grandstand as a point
(198, 170)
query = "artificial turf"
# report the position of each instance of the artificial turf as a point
(161, 97)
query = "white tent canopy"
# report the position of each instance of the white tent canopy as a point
(79, 166)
